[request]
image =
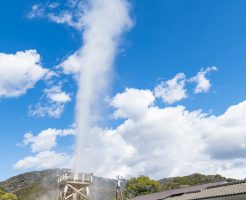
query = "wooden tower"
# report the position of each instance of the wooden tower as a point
(74, 186)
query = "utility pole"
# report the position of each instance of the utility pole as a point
(119, 194)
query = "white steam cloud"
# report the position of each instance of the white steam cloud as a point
(104, 22)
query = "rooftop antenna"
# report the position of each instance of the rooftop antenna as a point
(74, 186)
(119, 194)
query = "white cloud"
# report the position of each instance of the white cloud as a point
(170, 141)
(230, 129)
(159, 142)
(172, 90)
(72, 64)
(42, 145)
(43, 160)
(174, 141)
(36, 11)
(51, 110)
(203, 84)
(71, 15)
(55, 94)
(51, 104)
(54, 5)
(132, 102)
(65, 17)
(19, 72)
(46, 139)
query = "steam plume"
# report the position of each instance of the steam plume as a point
(104, 22)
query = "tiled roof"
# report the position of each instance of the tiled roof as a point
(218, 191)
(166, 194)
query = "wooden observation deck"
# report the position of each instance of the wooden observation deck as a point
(74, 186)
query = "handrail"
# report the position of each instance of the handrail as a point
(72, 176)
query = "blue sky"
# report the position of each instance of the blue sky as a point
(168, 37)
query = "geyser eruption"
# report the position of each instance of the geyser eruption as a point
(104, 22)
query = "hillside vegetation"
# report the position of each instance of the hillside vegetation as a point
(191, 180)
(7, 196)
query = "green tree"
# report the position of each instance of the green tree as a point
(141, 186)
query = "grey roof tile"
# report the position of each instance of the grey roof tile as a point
(218, 191)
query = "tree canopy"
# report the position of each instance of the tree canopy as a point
(141, 186)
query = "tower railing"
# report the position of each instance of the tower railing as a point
(73, 176)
